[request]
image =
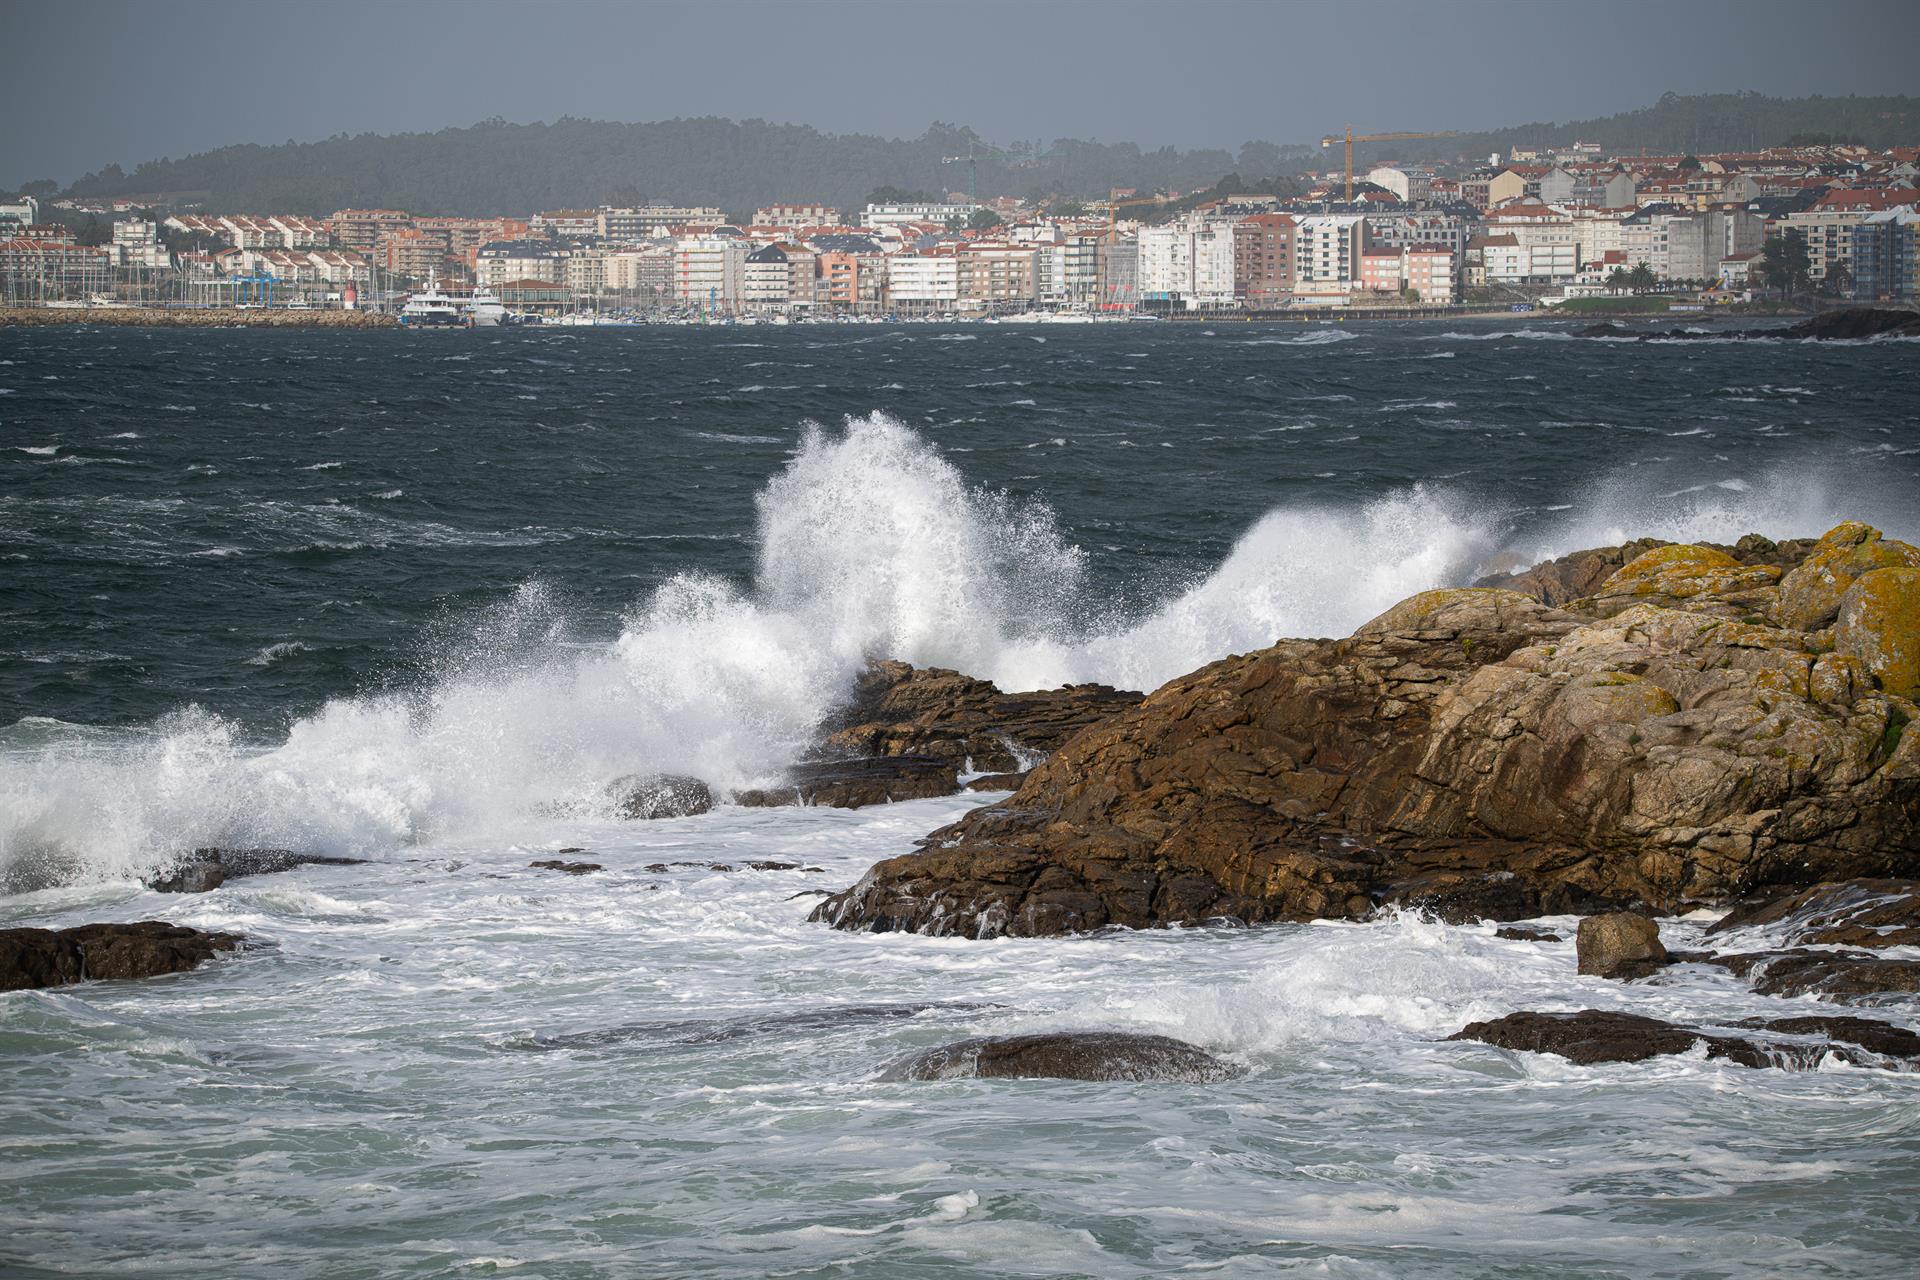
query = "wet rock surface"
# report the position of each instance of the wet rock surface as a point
(1656, 743)
(1620, 945)
(640, 797)
(1845, 913)
(998, 781)
(31, 958)
(1067, 1055)
(900, 710)
(1845, 324)
(1599, 1035)
(854, 784)
(569, 868)
(1846, 976)
(207, 869)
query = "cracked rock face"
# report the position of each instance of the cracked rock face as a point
(1660, 742)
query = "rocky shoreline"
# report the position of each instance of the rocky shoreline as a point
(1620, 733)
(197, 318)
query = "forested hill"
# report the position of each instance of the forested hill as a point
(500, 168)
(1678, 125)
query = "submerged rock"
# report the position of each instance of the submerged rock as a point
(1514, 933)
(1620, 945)
(1599, 1035)
(208, 869)
(853, 784)
(639, 797)
(570, 868)
(1067, 1055)
(56, 957)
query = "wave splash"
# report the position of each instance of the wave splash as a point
(870, 544)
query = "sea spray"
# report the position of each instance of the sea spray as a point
(870, 544)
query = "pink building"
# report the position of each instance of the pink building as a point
(1380, 270)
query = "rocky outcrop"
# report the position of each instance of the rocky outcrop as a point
(565, 867)
(1844, 324)
(899, 710)
(56, 957)
(853, 784)
(1598, 1035)
(1619, 945)
(644, 796)
(208, 869)
(1581, 574)
(1067, 1055)
(1660, 742)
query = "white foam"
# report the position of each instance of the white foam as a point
(870, 544)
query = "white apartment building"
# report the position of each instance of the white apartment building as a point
(1545, 238)
(1326, 256)
(710, 271)
(1212, 265)
(136, 243)
(640, 271)
(924, 281)
(630, 225)
(892, 215)
(1166, 262)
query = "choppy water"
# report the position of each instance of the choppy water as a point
(396, 594)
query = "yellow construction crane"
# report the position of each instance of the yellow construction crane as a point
(1114, 207)
(1353, 137)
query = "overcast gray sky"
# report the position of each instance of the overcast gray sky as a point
(98, 81)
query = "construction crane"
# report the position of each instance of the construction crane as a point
(1353, 137)
(1114, 207)
(1021, 156)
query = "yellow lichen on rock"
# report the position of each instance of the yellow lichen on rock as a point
(1810, 594)
(1678, 575)
(1880, 625)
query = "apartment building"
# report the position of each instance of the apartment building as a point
(360, 229)
(794, 217)
(1326, 257)
(646, 222)
(136, 244)
(1886, 255)
(1544, 236)
(940, 213)
(1380, 270)
(924, 281)
(997, 274)
(1263, 260)
(709, 271)
(1430, 271)
(645, 272)
(505, 260)
(1165, 262)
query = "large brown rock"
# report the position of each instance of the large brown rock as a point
(1619, 944)
(1655, 744)
(854, 784)
(56, 957)
(1879, 625)
(1810, 594)
(899, 710)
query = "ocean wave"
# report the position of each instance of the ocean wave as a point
(869, 543)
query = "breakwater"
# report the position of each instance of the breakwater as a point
(197, 317)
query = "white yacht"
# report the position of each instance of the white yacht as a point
(433, 309)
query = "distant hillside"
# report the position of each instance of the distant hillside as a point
(1677, 125)
(499, 168)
